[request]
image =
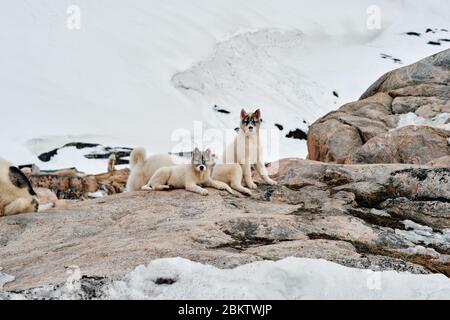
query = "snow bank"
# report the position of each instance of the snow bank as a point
(291, 278)
(125, 78)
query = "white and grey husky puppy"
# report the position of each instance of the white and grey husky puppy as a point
(188, 176)
(169, 172)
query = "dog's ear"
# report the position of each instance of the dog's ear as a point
(208, 152)
(195, 153)
(243, 114)
(20, 180)
(258, 114)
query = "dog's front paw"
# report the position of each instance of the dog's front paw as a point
(237, 194)
(44, 207)
(204, 192)
(234, 193)
(146, 188)
(252, 185)
(271, 182)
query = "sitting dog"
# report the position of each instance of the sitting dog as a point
(16, 193)
(188, 176)
(244, 152)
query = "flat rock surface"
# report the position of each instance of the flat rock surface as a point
(350, 214)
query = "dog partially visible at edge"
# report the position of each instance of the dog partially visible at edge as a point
(188, 176)
(239, 157)
(16, 193)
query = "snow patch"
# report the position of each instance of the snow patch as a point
(421, 250)
(291, 278)
(5, 278)
(381, 213)
(66, 157)
(87, 159)
(441, 121)
(420, 234)
(96, 195)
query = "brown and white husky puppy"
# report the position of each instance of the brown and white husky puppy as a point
(16, 193)
(188, 176)
(246, 151)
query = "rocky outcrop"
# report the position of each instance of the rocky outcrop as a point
(367, 131)
(73, 185)
(383, 217)
(412, 144)
(67, 184)
(426, 78)
(443, 162)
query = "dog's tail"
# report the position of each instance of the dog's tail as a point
(137, 156)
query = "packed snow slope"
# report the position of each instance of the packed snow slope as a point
(138, 70)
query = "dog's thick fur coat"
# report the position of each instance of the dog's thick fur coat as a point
(163, 172)
(143, 168)
(16, 193)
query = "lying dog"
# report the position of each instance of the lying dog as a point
(188, 176)
(16, 193)
(165, 172)
(143, 168)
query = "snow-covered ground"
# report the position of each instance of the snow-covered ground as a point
(138, 70)
(291, 278)
(420, 234)
(4, 279)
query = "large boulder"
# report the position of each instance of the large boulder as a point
(443, 162)
(363, 216)
(427, 78)
(333, 141)
(370, 130)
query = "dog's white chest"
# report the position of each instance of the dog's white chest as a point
(247, 150)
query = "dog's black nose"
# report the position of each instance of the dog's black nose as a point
(202, 168)
(250, 128)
